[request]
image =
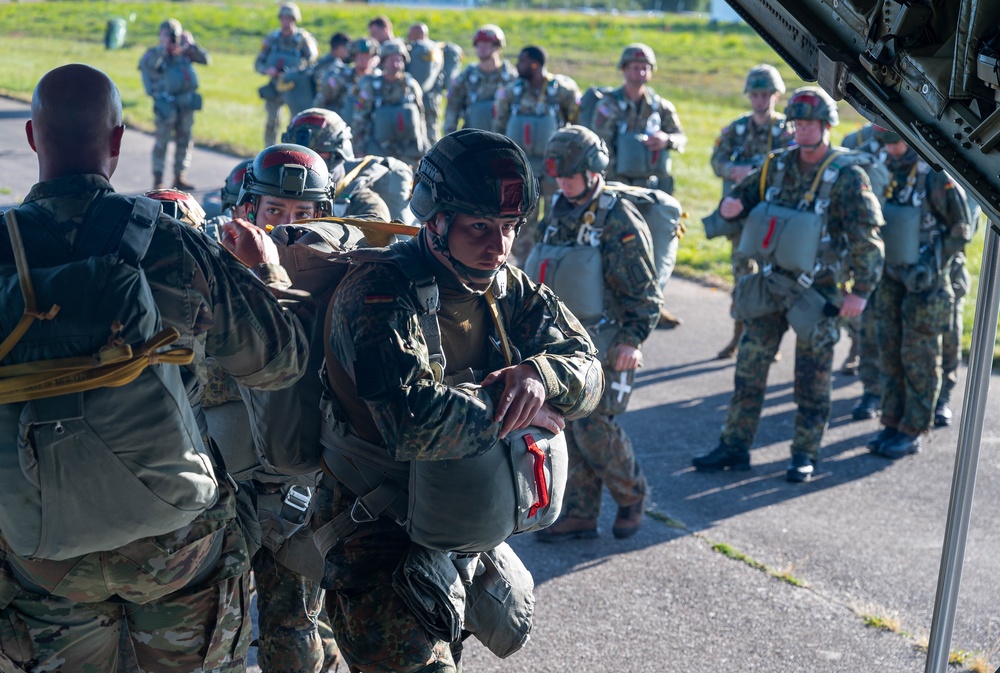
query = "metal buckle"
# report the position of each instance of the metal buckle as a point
(358, 505)
(805, 280)
(298, 500)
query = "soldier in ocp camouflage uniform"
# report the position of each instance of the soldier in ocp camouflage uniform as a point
(338, 89)
(474, 189)
(802, 181)
(388, 118)
(184, 594)
(286, 56)
(472, 94)
(169, 78)
(620, 309)
(927, 223)
(740, 148)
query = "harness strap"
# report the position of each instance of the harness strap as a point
(350, 177)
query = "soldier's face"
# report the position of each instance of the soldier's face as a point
(897, 149)
(393, 64)
(526, 67)
(637, 72)
(763, 101)
(485, 49)
(379, 33)
(809, 132)
(574, 187)
(287, 23)
(272, 211)
(363, 62)
(480, 242)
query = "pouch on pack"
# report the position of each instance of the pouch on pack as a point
(574, 273)
(99, 445)
(500, 602)
(479, 115)
(388, 177)
(901, 234)
(395, 123)
(753, 298)
(634, 160)
(807, 314)
(532, 132)
(180, 77)
(664, 217)
(787, 237)
(426, 62)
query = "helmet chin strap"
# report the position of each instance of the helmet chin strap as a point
(466, 273)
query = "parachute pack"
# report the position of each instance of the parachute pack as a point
(93, 415)
(390, 178)
(588, 104)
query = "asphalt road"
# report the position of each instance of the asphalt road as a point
(864, 537)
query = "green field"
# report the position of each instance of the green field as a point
(701, 70)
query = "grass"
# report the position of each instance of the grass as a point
(729, 551)
(701, 70)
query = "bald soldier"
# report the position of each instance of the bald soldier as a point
(182, 588)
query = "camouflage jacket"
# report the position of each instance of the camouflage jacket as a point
(617, 113)
(745, 143)
(325, 66)
(375, 92)
(157, 62)
(944, 200)
(378, 344)
(558, 92)
(294, 52)
(474, 85)
(633, 296)
(863, 139)
(852, 218)
(337, 90)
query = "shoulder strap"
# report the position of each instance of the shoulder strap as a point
(428, 299)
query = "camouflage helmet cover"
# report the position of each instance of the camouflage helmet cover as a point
(290, 9)
(172, 26)
(884, 135)
(394, 46)
(637, 51)
(320, 130)
(811, 102)
(287, 171)
(764, 77)
(474, 172)
(490, 33)
(180, 205)
(364, 45)
(574, 150)
(230, 191)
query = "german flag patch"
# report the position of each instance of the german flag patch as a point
(379, 299)
(627, 238)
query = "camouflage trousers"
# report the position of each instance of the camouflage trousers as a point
(185, 597)
(295, 635)
(813, 367)
(272, 106)
(432, 112)
(951, 346)
(740, 264)
(375, 629)
(600, 453)
(176, 127)
(909, 327)
(861, 330)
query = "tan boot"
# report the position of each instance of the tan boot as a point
(157, 181)
(569, 528)
(629, 519)
(668, 320)
(730, 350)
(181, 183)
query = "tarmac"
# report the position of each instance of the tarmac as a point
(860, 543)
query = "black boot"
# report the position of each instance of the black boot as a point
(867, 407)
(722, 457)
(800, 469)
(942, 413)
(899, 446)
(876, 442)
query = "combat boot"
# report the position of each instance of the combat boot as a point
(157, 181)
(569, 528)
(884, 435)
(722, 457)
(181, 183)
(899, 446)
(800, 469)
(629, 519)
(730, 350)
(668, 320)
(942, 412)
(867, 407)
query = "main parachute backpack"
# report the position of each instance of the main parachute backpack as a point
(98, 442)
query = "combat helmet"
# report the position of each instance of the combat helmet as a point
(573, 150)
(180, 206)
(884, 135)
(477, 173)
(321, 130)
(490, 33)
(290, 9)
(230, 191)
(637, 51)
(811, 102)
(764, 77)
(394, 46)
(287, 171)
(364, 45)
(173, 26)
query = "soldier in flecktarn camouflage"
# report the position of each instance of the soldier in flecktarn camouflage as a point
(471, 97)
(834, 239)
(927, 224)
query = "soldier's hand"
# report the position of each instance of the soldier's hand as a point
(272, 72)
(853, 306)
(548, 418)
(187, 39)
(730, 207)
(627, 358)
(249, 244)
(523, 395)
(657, 141)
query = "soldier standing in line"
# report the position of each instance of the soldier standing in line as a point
(286, 56)
(640, 128)
(425, 65)
(331, 62)
(927, 223)
(529, 112)
(338, 91)
(801, 278)
(170, 79)
(380, 29)
(606, 277)
(388, 118)
(474, 190)
(472, 95)
(740, 148)
(182, 593)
